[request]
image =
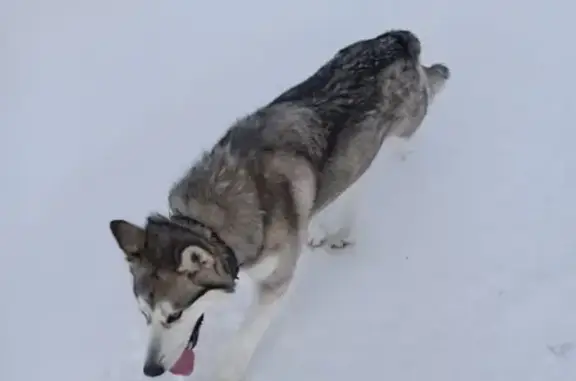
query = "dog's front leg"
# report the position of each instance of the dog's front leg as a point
(270, 293)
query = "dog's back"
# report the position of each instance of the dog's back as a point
(338, 118)
(331, 126)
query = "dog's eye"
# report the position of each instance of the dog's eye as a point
(173, 317)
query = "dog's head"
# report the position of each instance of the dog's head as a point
(178, 271)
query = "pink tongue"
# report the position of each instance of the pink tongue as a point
(185, 364)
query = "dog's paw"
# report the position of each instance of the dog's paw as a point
(403, 156)
(316, 236)
(335, 239)
(340, 239)
(338, 243)
(403, 149)
(335, 227)
(405, 153)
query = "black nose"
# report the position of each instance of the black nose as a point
(153, 369)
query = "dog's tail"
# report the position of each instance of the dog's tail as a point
(403, 41)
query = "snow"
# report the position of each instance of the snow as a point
(466, 256)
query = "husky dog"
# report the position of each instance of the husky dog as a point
(246, 204)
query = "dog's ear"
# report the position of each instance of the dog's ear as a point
(204, 268)
(130, 238)
(194, 258)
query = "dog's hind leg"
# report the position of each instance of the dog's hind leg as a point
(335, 226)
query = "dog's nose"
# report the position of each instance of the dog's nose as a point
(153, 369)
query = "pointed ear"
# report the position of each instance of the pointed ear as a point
(130, 238)
(204, 268)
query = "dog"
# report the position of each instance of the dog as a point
(246, 204)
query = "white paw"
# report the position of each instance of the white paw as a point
(334, 227)
(333, 237)
(316, 235)
(404, 153)
(340, 240)
(403, 148)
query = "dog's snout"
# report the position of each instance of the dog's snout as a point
(152, 369)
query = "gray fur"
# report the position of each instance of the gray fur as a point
(255, 192)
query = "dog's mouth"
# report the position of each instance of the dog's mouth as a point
(184, 366)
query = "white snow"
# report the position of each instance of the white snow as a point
(465, 269)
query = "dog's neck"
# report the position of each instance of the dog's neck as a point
(229, 257)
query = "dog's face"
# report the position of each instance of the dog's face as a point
(177, 275)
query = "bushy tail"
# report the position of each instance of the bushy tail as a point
(405, 40)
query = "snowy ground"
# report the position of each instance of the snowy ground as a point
(466, 264)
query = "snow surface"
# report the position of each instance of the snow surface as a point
(465, 268)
